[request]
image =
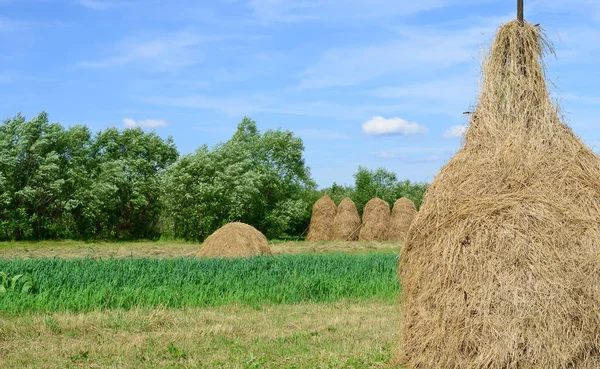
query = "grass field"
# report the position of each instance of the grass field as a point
(89, 284)
(339, 335)
(150, 305)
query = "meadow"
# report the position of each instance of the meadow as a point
(153, 305)
(95, 284)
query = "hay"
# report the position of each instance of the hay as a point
(403, 213)
(235, 240)
(321, 222)
(346, 222)
(501, 268)
(375, 221)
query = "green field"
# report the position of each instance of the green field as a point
(91, 284)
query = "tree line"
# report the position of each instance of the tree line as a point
(68, 183)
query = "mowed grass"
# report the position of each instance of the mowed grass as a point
(100, 284)
(338, 335)
(173, 249)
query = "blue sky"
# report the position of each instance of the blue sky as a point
(379, 83)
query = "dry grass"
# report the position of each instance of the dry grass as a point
(501, 265)
(403, 214)
(321, 221)
(74, 249)
(235, 240)
(346, 223)
(342, 335)
(375, 221)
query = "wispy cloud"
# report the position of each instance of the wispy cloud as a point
(456, 131)
(169, 50)
(380, 126)
(148, 123)
(322, 134)
(418, 154)
(97, 4)
(426, 49)
(274, 103)
(290, 11)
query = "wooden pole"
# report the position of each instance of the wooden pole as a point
(520, 11)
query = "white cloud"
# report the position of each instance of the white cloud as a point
(149, 123)
(380, 126)
(456, 131)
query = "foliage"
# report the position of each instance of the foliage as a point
(255, 178)
(21, 283)
(58, 183)
(89, 284)
(377, 183)
(62, 183)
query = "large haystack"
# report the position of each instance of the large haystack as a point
(321, 221)
(375, 221)
(235, 240)
(346, 222)
(403, 213)
(501, 268)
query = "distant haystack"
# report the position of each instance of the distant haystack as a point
(375, 221)
(321, 222)
(403, 213)
(346, 222)
(235, 240)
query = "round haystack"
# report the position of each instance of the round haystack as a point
(346, 222)
(403, 213)
(375, 221)
(235, 240)
(501, 268)
(321, 222)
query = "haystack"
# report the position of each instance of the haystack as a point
(235, 240)
(321, 221)
(501, 268)
(375, 221)
(403, 213)
(346, 222)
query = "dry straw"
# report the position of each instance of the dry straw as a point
(375, 221)
(502, 264)
(346, 223)
(321, 222)
(403, 213)
(235, 240)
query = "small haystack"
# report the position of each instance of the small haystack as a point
(346, 222)
(235, 240)
(403, 213)
(375, 221)
(501, 268)
(321, 222)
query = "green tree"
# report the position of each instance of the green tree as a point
(34, 177)
(256, 178)
(369, 184)
(58, 183)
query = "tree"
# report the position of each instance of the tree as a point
(33, 177)
(255, 178)
(59, 183)
(369, 184)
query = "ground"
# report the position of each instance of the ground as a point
(340, 335)
(344, 334)
(76, 249)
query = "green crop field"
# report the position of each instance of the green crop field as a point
(91, 284)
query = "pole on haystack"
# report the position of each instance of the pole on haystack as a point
(520, 11)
